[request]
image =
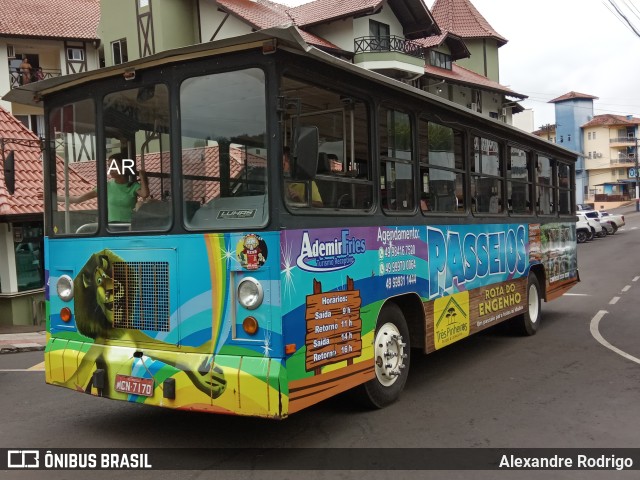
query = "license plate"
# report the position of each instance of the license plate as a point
(134, 385)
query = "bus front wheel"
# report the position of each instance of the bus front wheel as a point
(529, 322)
(391, 359)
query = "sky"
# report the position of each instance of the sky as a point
(559, 46)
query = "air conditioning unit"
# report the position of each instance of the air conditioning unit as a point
(11, 52)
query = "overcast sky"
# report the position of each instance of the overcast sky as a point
(556, 46)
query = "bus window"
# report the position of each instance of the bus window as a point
(441, 168)
(396, 160)
(137, 130)
(564, 190)
(343, 178)
(486, 177)
(224, 151)
(519, 181)
(72, 168)
(545, 195)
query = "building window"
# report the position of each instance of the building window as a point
(561, 139)
(143, 3)
(569, 138)
(440, 60)
(119, 51)
(75, 54)
(382, 34)
(589, 135)
(594, 136)
(29, 254)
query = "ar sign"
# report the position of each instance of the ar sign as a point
(125, 169)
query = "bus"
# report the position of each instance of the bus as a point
(308, 226)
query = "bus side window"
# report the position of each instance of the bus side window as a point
(341, 181)
(442, 167)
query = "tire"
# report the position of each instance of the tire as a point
(529, 322)
(591, 235)
(392, 357)
(603, 233)
(614, 228)
(581, 236)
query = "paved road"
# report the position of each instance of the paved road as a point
(574, 384)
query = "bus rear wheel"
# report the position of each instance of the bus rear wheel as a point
(391, 359)
(529, 322)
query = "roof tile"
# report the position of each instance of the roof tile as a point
(50, 19)
(461, 18)
(611, 120)
(465, 76)
(573, 96)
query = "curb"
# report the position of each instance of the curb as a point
(20, 348)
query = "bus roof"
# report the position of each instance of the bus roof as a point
(285, 37)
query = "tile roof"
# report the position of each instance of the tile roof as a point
(459, 74)
(611, 120)
(456, 45)
(261, 14)
(28, 196)
(321, 11)
(50, 19)
(461, 18)
(573, 96)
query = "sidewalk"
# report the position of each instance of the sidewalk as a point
(22, 339)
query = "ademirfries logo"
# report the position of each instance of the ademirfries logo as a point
(23, 459)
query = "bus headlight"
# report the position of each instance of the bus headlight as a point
(65, 287)
(250, 293)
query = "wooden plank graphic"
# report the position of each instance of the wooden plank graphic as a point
(334, 326)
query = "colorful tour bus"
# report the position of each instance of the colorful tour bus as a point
(252, 225)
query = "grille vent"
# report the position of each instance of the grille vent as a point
(141, 291)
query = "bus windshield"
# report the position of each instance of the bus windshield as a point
(223, 157)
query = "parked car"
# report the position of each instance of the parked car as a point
(616, 221)
(584, 233)
(584, 206)
(608, 221)
(596, 228)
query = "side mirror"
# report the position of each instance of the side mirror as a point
(305, 153)
(10, 173)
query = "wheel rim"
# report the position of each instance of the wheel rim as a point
(389, 354)
(534, 304)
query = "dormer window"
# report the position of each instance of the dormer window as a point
(440, 60)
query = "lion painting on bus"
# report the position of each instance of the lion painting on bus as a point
(100, 300)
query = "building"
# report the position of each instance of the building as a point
(610, 146)
(452, 52)
(572, 111)
(56, 37)
(22, 274)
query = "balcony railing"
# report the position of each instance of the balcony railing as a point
(625, 159)
(623, 140)
(391, 43)
(15, 78)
